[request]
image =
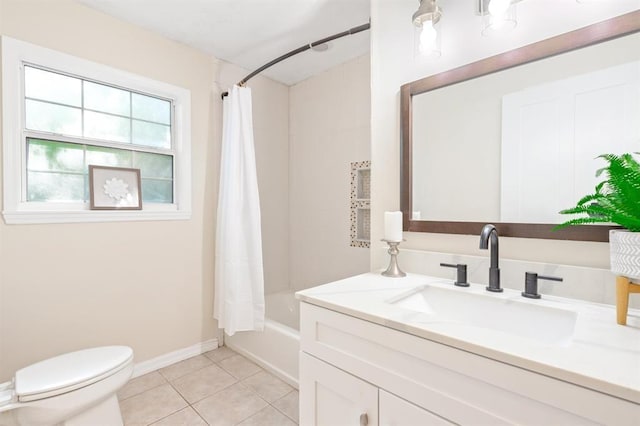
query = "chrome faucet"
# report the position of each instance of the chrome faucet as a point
(489, 232)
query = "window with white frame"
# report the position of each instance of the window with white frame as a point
(62, 114)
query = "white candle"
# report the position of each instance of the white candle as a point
(393, 226)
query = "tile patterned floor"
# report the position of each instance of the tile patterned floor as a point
(218, 388)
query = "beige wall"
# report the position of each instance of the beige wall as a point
(146, 284)
(393, 64)
(329, 128)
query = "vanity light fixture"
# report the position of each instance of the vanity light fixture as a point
(426, 21)
(497, 15)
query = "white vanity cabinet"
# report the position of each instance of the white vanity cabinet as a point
(350, 367)
(394, 411)
(334, 398)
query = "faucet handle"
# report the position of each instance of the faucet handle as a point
(461, 280)
(531, 284)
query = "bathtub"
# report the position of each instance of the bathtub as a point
(276, 348)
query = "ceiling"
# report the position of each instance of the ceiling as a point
(250, 33)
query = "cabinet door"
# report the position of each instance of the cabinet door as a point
(331, 397)
(396, 411)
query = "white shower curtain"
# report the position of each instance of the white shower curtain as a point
(239, 280)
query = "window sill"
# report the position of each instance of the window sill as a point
(25, 217)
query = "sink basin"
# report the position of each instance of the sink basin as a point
(502, 313)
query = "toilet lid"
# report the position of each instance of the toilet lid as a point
(70, 371)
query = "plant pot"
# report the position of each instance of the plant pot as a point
(624, 247)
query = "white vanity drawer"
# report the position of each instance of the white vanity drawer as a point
(394, 411)
(460, 386)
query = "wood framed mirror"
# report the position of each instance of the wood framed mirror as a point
(469, 219)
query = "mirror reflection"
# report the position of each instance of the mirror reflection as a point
(519, 145)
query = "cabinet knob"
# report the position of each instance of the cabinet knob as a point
(364, 419)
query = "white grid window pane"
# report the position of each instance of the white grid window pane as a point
(52, 87)
(48, 156)
(107, 127)
(103, 113)
(53, 118)
(103, 98)
(154, 165)
(157, 191)
(58, 171)
(151, 109)
(150, 134)
(101, 156)
(56, 187)
(84, 122)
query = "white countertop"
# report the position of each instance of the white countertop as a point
(601, 354)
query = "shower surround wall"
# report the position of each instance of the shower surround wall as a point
(329, 127)
(306, 136)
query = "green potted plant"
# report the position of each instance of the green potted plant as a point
(616, 200)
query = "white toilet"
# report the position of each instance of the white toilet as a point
(78, 388)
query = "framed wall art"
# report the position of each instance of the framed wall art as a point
(114, 188)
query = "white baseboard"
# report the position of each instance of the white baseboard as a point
(158, 362)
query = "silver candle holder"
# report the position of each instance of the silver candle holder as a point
(393, 270)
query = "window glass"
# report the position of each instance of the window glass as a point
(55, 171)
(103, 98)
(58, 171)
(52, 87)
(55, 187)
(151, 134)
(48, 156)
(151, 109)
(157, 191)
(101, 156)
(70, 106)
(107, 127)
(53, 118)
(154, 165)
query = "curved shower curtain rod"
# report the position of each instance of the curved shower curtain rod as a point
(301, 49)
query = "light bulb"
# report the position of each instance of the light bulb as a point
(498, 8)
(428, 37)
(501, 16)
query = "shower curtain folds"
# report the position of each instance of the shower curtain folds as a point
(239, 278)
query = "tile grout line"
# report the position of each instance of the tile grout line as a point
(140, 393)
(252, 391)
(285, 414)
(190, 405)
(205, 397)
(170, 414)
(186, 374)
(189, 372)
(237, 381)
(198, 414)
(170, 382)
